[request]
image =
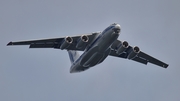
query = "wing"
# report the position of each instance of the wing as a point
(140, 57)
(58, 42)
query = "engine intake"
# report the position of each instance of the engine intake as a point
(122, 47)
(66, 42)
(133, 53)
(82, 41)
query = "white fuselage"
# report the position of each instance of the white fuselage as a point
(98, 50)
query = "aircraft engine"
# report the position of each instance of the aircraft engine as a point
(122, 47)
(133, 52)
(82, 41)
(67, 41)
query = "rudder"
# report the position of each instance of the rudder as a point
(73, 55)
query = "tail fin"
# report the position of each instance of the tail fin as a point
(73, 55)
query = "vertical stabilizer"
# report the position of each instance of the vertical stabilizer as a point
(73, 55)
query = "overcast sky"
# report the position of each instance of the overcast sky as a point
(43, 74)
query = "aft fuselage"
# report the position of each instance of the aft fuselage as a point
(98, 50)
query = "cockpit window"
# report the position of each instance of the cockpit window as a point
(114, 24)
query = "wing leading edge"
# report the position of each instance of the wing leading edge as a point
(55, 42)
(141, 57)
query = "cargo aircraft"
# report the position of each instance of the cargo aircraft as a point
(96, 46)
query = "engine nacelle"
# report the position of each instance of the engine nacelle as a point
(133, 53)
(122, 47)
(67, 41)
(82, 41)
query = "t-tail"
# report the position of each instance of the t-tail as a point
(73, 55)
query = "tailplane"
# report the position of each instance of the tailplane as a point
(73, 55)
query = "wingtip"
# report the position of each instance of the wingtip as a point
(10, 43)
(166, 65)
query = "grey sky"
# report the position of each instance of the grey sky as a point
(43, 74)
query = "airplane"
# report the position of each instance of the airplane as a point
(96, 46)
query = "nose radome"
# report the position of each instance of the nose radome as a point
(118, 26)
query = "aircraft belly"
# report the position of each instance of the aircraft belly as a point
(107, 40)
(93, 60)
(104, 55)
(97, 53)
(88, 55)
(76, 68)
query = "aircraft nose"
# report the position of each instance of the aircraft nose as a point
(117, 28)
